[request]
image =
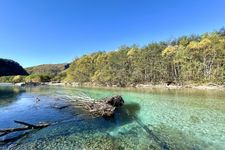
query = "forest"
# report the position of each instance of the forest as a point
(186, 60)
(194, 59)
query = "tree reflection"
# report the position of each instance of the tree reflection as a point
(9, 94)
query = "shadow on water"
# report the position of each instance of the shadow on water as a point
(9, 94)
(132, 110)
(124, 115)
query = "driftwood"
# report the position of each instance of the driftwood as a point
(61, 107)
(27, 126)
(105, 107)
(115, 101)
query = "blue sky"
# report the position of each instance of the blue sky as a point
(36, 32)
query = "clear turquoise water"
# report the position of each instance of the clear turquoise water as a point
(150, 119)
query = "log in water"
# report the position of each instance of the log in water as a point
(105, 107)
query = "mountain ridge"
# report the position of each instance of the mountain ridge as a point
(10, 67)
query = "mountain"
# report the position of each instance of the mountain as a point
(47, 69)
(9, 67)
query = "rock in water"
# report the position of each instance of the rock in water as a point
(115, 101)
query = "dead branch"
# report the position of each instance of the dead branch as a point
(61, 107)
(104, 107)
(27, 126)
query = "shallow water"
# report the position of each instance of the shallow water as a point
(150, 119)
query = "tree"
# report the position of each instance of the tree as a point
(18, 78)
(186, 59)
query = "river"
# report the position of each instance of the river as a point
(150, 119)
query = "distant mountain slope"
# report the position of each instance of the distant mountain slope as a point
(9, 67)
(47, 69)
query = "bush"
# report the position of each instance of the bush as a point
(6, 79)
(38, 78)
(18, 78)
(60, 77)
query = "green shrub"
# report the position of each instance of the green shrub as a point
(38, 78)
(18, 78)
(6, 79)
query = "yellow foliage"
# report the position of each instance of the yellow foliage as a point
(170, 50)
(132, 52)
(18, 78)
(193, 45)
(204, 43)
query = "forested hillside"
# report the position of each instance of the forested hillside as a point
(188, 59)
(47, 69)
(9, 67)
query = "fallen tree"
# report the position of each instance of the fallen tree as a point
(104, 107)
(26, 126)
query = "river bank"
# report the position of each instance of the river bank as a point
(209, 86)
(138, 86)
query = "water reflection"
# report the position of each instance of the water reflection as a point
(9, 94)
